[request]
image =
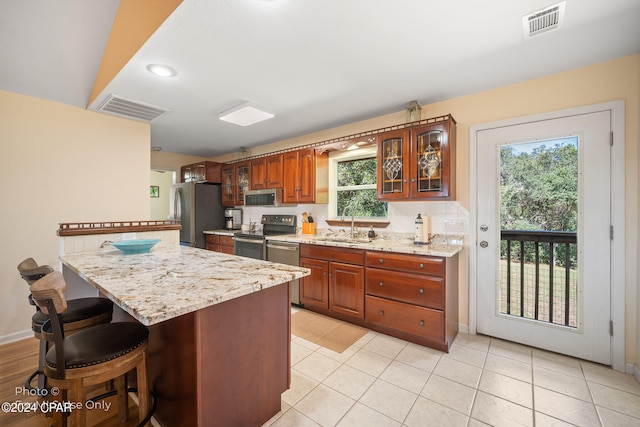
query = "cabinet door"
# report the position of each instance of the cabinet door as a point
(314, 289)
(274, 174)
(346, 289)
(432, 162)
(228, 197)
(307, 176)
(198, 172)
(393, 165)
(242, 171)
(185, 173)
(212, 172)
(291, 184)
(258, 176)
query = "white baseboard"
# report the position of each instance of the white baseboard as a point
(634, 370)
(16, 336)
(463, 328)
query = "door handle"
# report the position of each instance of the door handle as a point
(484, 244)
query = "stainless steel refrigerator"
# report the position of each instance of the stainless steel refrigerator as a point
(198, 206)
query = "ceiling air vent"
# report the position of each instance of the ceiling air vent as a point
(544, 20)
(130, 109)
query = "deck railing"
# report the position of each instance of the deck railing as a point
(538, 277)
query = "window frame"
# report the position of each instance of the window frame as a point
(347, 155)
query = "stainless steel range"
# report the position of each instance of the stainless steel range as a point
(252, 244)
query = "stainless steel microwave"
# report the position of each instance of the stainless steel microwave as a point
(268, 197)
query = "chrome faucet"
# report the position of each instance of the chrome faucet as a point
(352, 219)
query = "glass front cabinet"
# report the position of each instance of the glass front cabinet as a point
(418, 162)
(241, 182)
(227, 185)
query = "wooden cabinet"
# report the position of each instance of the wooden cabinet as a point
(235, 181)
(266, 172)
(201, 172)
(301, 168)
(336, 283)
(346, 289)
(228, 185)
(219, 243)
(314, 289)
(413, 297)
(418, 162)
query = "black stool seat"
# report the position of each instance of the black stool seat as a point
(77, 310)
(98, 344)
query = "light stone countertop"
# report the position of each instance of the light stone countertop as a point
(172, 280)
(223, 232)
(441, 245)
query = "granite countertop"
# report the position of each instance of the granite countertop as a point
(223, 232)
(171, 280)
(441, 245)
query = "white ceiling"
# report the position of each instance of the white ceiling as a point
(316, 64)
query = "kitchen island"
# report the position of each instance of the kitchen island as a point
(219, 328)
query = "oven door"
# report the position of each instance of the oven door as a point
(250, 247)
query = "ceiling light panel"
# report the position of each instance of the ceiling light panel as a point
(245, 114)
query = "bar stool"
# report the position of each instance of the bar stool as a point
(81, 313)
(91, 356)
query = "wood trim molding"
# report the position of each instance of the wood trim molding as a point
(86, 228)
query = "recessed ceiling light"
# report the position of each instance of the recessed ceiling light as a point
(161, 70)
(245, 114)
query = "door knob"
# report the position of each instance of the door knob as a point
(483, 228)
(484, 244)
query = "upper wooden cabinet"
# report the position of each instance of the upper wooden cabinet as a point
(235, 181)
(202, 171)
(266, 172)
(300, 171)
(418, 162)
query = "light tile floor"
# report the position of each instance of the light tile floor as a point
(385, 381)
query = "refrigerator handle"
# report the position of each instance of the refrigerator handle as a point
(177, 205)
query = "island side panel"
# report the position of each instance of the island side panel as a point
(172, 370)
(243, 358)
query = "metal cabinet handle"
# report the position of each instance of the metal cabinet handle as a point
(381, 261)
(381, 283)
(421, 265)
(381, 312)
(421, 291)
(422, 323)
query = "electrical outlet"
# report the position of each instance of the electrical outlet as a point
(128, 236)
(455, 225)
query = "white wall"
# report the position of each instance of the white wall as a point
(60, 164)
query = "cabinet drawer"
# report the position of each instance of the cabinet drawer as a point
(427, 291)
(421, 321)
(225, 249)
(226, 240)
(332, 253)
(212, 238)
(413, 263)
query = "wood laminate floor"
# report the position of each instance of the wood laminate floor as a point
(17, 361)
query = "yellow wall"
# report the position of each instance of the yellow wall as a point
(60, 164)
(160, 205)
(607, 81)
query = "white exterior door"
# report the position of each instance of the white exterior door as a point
(589, 338)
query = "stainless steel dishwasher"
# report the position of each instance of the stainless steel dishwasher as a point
(286, 253)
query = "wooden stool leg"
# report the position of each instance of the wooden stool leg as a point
(143, 387)
(78, 396)
(42, 380)
(123, 397)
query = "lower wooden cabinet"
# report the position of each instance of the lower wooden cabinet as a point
(219, 243)
(336, 282)
(314, 289)
(346, 289)
(412, 297)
